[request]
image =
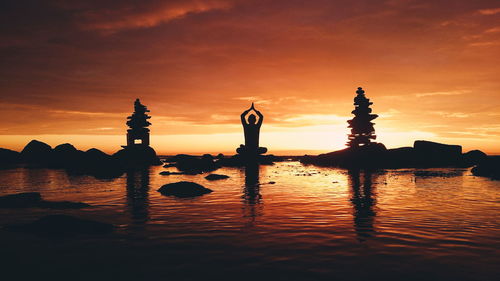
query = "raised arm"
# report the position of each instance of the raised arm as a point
(243, 121)
(261, 117)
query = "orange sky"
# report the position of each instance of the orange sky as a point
(70, 71)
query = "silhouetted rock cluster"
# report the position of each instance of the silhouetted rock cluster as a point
(362, 130)
(183, 189)
(34, 200)
(424, 154)
(93, 162)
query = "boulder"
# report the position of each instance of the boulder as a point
(195, 165)
(402, 157)
(36, 152)
(183, 189)
(65, 155)
(137, 157)
(8, 157)
(213, 177)
(472, 158)
(433, 154)
(489, 167)
(63, 225)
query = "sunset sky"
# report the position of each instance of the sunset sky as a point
(71, 70)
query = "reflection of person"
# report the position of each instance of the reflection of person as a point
(251, 129)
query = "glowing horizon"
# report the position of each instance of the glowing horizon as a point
(71, 71)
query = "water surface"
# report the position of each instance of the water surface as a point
(281, 222)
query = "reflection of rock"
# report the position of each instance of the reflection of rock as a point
(34, 200)
(489, 167)
(363, 203)
(441, 174)
(213, 177)
(36, 152)
(241, 160)
(63, 225)
(184, 189)
(168, 173)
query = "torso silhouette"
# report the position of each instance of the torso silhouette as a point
(252, 130)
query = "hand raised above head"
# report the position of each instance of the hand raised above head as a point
(252, 107)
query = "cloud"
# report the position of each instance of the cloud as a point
(489, 12)
(450, 93)
(146, 14)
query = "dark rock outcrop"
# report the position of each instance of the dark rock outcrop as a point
(433, 154)
(194, 165)
(98, 164)
(62, 225)
(213, 177)
(489, 167)
(424, 154)
(34, 200)
(183, 189)
(36, 152)
(473, 158)
(137, 156)
(367, 156)
(65, 155)
(9, 157)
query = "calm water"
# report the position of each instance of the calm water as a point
(280, 222)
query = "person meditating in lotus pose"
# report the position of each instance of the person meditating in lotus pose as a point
(252, 130)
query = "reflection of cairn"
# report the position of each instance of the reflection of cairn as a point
(138, 123)
(361, 126)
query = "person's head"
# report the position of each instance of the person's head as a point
(252, 119)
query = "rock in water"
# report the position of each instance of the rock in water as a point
(34, 200)
(183, 189)
(63, 225)
(213, 177)
(490, 167)
(137, 157)
(21, 200)
(36, 152)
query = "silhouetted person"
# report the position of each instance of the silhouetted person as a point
(251, 127)
(363, 204)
